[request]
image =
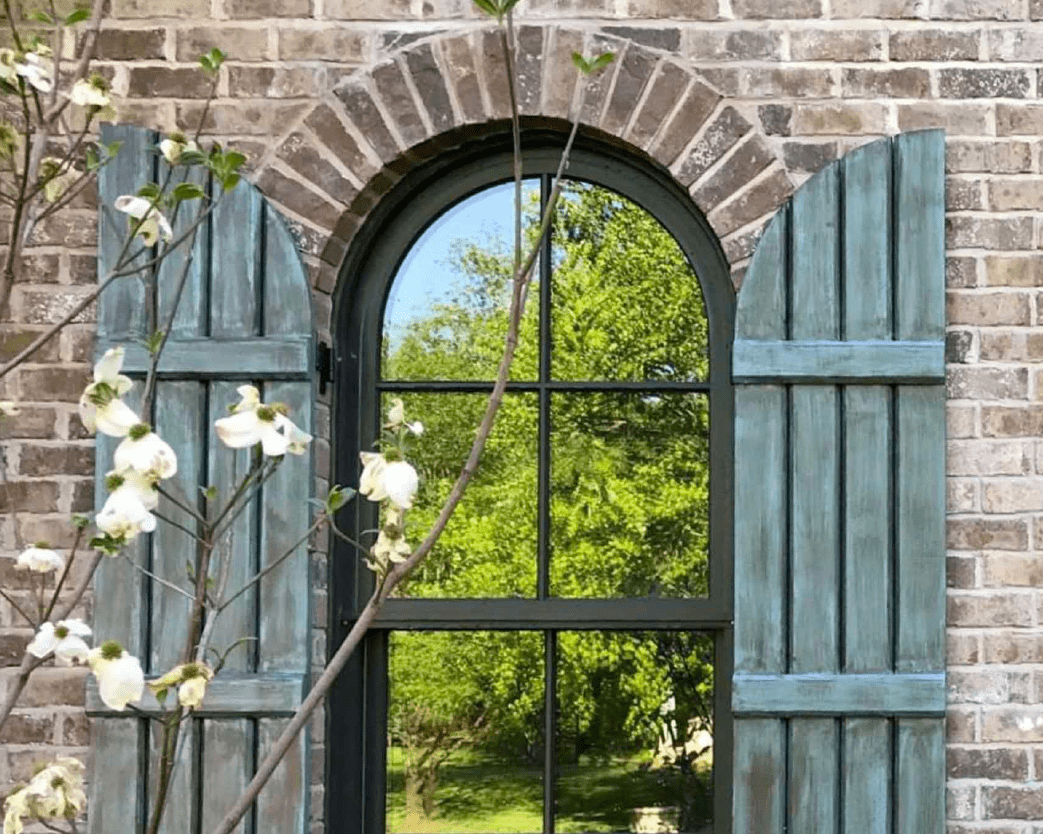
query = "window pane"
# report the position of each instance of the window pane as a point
(634, 742)
(446, 314)
(488, 548)
(465, 732)
(630, 495)
(626, 304)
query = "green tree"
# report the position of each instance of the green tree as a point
(629, 492)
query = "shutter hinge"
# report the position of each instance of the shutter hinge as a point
(324, 365)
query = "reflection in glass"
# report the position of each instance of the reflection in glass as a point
(634, 742)
(625, 302)
(447, 309)
(488, 548)
(465, 732)
(630, 495)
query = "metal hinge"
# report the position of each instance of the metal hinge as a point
(324, 365)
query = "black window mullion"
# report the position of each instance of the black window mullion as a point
(550, 729)
(544, 463)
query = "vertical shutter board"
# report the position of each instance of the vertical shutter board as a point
(115, 796)
(920, 520)
(284, 598)
(868, 602)
(867, 776)
(814, 563)
(282, 807)
(180, 810)
(814, 247)
(287, 307)
(760, 307)
(813, 799)
(235, 285)
(758, 797)
(920, 792)
(122, 312)
(180, 407)
(191, 317)
(760, 543)
(226, 468)
(867, 242)
(121, 592)
(227, 769)
(919, 229)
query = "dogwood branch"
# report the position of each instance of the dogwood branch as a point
(318, 692)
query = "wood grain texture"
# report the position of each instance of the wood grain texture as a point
(839, 694)
(867, 776)
(283, 804)
(181, 808)
(228, 694)
(234, 358)
(235, 263)
(115, 790)
(758, 792)
(284, 597)
(761, 306)
(921, 776)
(814, 530)
(920, 517)
(122, 313)
(813, 783)
(814, 248)
(191, 316)
(833, 361)
(287, 308)
(866, 244)
(228, 765)
(920, 235)
(760, 530)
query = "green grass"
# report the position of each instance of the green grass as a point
(478, 794)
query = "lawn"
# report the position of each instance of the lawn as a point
(479, 794)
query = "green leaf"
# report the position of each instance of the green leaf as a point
(582, 64)
(113, 148)
(154, 342)
(603, 60)
(161, 695)
(188, 191)
(77, 16)
(507, 5)
(80, 521)
(209, 493)
(229, 181)
(150, 191)
(191, 158)
(487, 6)
(338, 497)
(41, 17)
(234, 160)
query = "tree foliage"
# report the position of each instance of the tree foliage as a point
(629, 490)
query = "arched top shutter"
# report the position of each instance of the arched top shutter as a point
(244, 316)
(839, 688)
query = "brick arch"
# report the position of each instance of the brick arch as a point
(332, 166)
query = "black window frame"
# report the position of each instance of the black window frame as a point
(356, 707)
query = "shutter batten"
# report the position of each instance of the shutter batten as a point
(839, 503)
(244, 317)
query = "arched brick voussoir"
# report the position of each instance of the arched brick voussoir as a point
(380, 121)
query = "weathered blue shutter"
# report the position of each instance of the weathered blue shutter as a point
(244, 317)
(839, 685)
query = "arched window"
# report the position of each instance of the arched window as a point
(561, 661)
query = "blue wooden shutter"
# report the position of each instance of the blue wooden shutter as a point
(245, 317)
(839, 686)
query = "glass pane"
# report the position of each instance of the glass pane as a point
(634, 743)
(626, 304)
(488, 549)
(465, 732)
(446, 314)
(630, 497)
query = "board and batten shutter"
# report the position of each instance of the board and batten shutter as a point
(838, 692)
(245, 317)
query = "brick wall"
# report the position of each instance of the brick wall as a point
(742, 100)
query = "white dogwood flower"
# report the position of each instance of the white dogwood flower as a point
(146, 452)
(175, 145)
(371, 481)
(90, 92)
(252, 422)
(57, 790)
(9, 409)
(396, 480)
(64, 638)
(190, 679)
(40, 558)
(101, 408)
(125, 513)
(37, 70)
(8, 72)
(119, 675)
(154, 225)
